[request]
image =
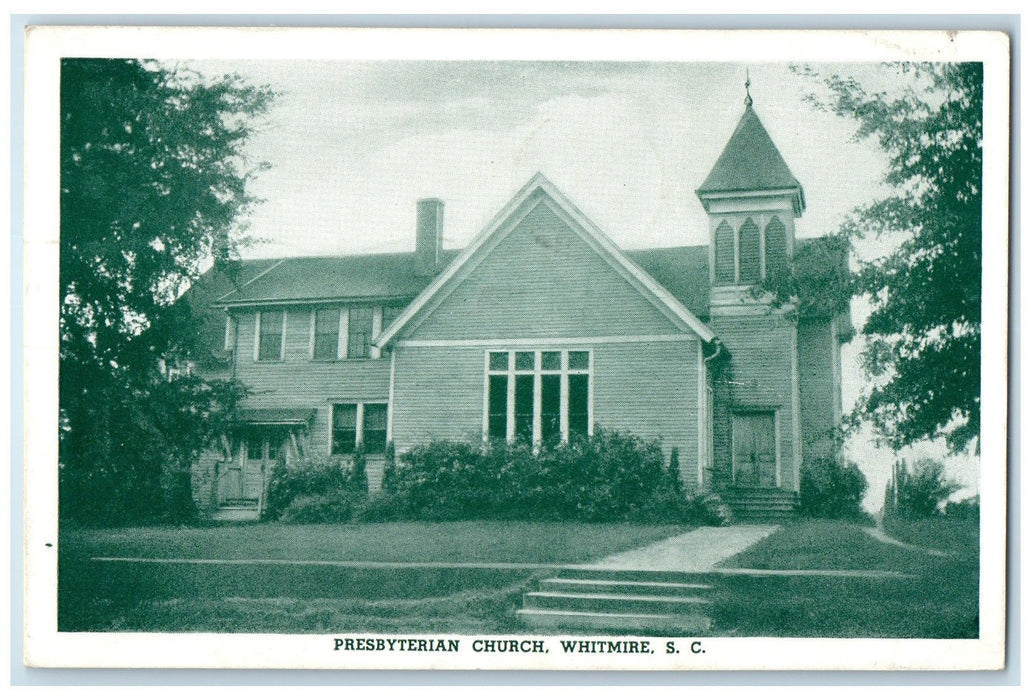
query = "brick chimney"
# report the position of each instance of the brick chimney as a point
(429, 235)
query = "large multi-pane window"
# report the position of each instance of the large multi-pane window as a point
(326, 334)
(271, 326)
(538, 396)
(359, 423)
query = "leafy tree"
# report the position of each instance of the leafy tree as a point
(153, 182)
(923, 489)
(924, 331)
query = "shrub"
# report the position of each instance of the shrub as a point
(923, 490)
(380, 508)
(831, 489)
(358, 478)
(708, 509)
(967, 509)
(608, 477)
(389, 484)
(334, 507)
(314, 483)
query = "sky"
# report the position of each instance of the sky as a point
(353, 145)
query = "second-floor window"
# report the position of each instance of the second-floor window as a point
(271, 335)
(326, 334)
(359, 331)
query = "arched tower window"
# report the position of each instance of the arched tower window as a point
(724, 254)
(776, 248)
(749, 260)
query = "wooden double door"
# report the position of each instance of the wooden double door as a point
(755, 450)
(257, 450)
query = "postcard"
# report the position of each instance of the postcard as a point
(515, 349)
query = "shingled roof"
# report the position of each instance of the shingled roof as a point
(683, 271)
(375, 276)
(750, 161)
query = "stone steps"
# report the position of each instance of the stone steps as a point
(755, 504)
(654, 588)
(235, 513)
(659, 602)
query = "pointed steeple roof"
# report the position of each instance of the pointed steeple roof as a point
(750, 162)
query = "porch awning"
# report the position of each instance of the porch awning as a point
(275, 416)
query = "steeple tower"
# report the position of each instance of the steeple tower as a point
(752, 200)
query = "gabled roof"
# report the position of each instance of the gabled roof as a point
(540, 187)
(375, 276)
(750, 162)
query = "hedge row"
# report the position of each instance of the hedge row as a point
(611, 476)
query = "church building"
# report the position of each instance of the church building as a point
(540, 329)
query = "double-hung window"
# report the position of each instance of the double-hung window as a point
(271, 335)
(325, 344)
(538, 396)
(359, 330)
(359, 424)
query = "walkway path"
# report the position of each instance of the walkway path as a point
(697, 550)
(888, 539)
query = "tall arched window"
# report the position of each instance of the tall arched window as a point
(724, 254)
(776, 248)
(748, 253)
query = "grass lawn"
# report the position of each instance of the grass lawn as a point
(306, 598)
(939, 600)
(957, 536)
(469, 541)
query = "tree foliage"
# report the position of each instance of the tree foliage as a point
(923, 490)
(924, 331)
(153, 183)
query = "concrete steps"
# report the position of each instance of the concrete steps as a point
(658, 602)
(234, 513)
(761, 505)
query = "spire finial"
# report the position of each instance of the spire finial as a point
(748, 84)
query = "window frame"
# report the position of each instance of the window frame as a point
(258, 320)
(564, 372)
(341, 333)
(359, 432)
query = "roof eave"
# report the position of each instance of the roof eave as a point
(796, 193)
(295, 301)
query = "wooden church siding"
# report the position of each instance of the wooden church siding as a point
(543, 280)
(298, 381)
(816, 349)
(761, 378)
(651, 390)
(438, 394)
